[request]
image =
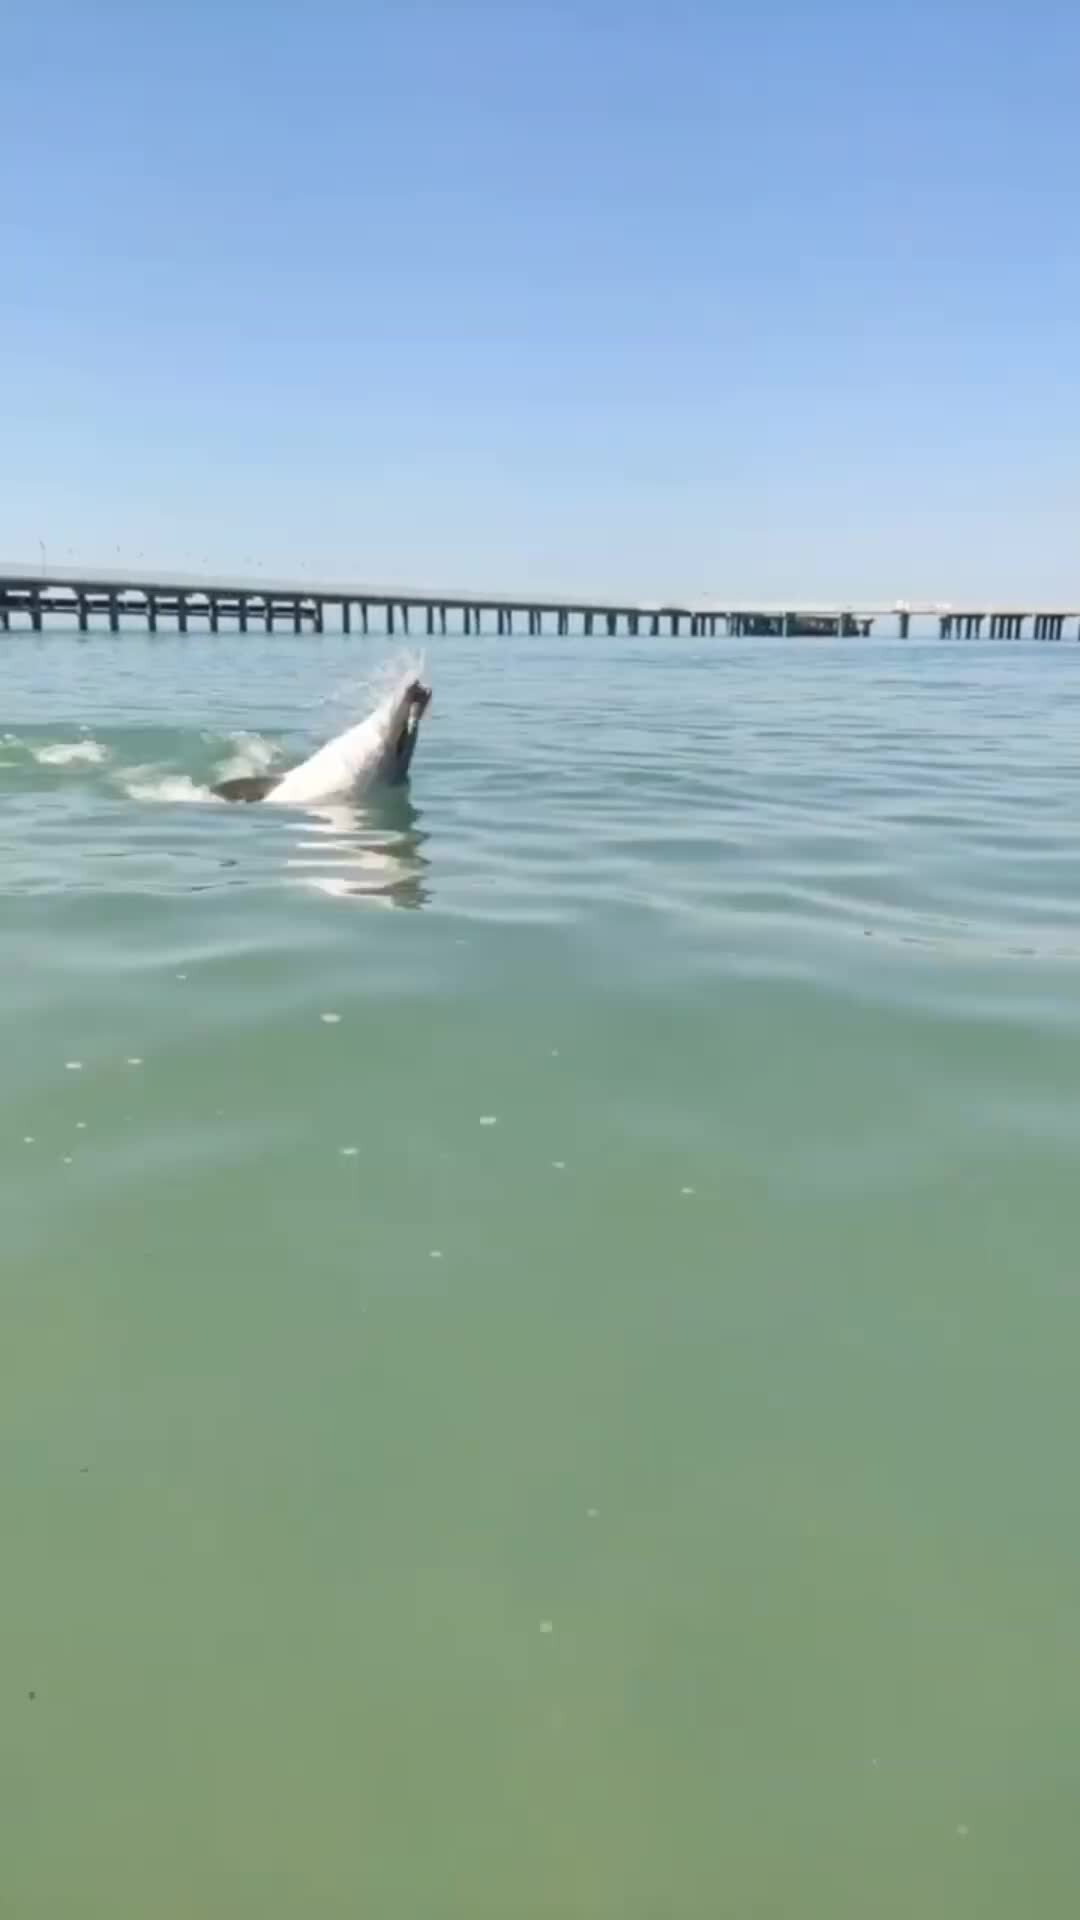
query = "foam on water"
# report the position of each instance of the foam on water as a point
(172, 789)
(71, 753)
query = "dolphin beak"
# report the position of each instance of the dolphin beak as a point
(418, 699)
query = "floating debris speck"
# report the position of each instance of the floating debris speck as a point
(436, 1253)
(559, 1166)
(330, 1019)
(73, 1066)
(28, 1139)
(134, 1060)
(547, 1626)
(489, 1119)
(349, 1153)
(687, 1191)
(592, 1513)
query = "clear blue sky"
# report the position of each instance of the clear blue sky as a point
(769, 299)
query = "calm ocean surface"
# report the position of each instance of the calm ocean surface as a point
(540, 1325)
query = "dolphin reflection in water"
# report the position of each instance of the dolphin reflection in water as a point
(369, 851)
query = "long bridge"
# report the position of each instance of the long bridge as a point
(32, 596)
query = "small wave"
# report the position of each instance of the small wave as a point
(175, 789)
(67, 753)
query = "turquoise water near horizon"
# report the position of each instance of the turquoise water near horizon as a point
(540, 1317)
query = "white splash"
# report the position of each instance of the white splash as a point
(251, 755)
(68, 753)
(175, 789)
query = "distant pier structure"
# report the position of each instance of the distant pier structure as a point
(36, 597)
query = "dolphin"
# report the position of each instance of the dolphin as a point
(375, 753)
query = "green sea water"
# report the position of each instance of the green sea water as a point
(540, 1322)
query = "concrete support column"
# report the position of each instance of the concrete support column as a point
(297, 617)
(242, 612)
(151, 612)
(346, 616)
(431, 619)
(320, 617)
(114, 614)
(389, 616)
(84, 614)
(215, 613)
(268, 608)
(442, 619)
(364, 615)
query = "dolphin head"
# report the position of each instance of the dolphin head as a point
(409, 709)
